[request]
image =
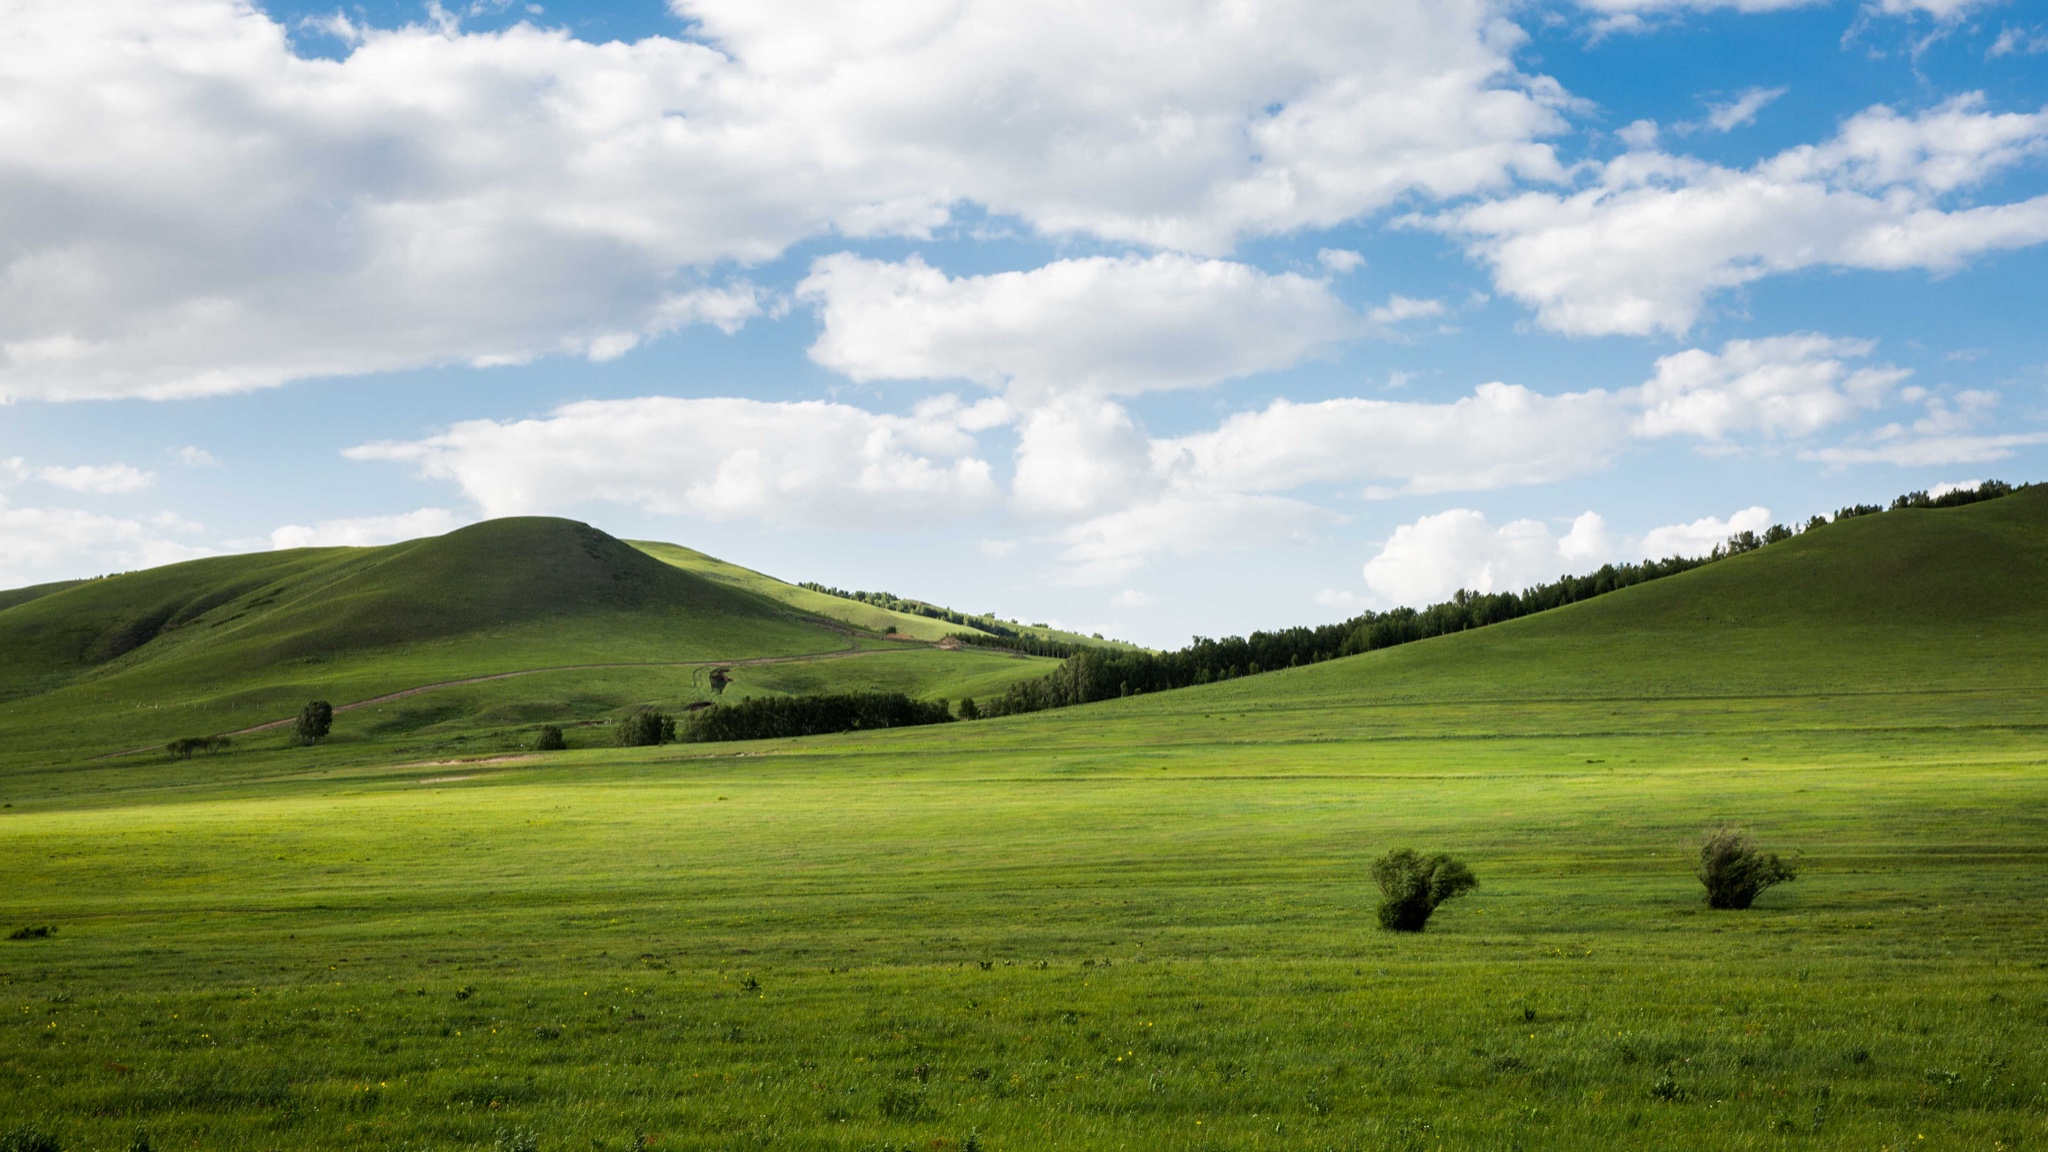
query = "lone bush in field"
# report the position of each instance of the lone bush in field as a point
(184, 747)
(643, 729)
(549, 739)
(315, 721)
(1412, 886)
(1735, 871)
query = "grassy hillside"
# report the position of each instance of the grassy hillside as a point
(1143, 924)
(221, 644)
(861, 615)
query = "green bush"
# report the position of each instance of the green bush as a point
(184, 747)
(549, 739)
(315, 721)
(1412, 886)
(645, 729)
(1735, 871)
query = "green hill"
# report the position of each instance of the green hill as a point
(224, 643)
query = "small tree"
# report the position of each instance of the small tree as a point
(1735, 872)
(1412, 886)
(315, 721)
(644, 729)
(549, 739)
(969, 710)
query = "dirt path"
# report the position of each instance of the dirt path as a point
(837, 654)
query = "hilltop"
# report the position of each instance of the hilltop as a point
(224, 643)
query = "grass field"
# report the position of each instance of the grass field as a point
(1144, 924)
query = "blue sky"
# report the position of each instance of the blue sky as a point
(1159, 319)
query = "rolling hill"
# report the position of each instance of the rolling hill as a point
(225, 643)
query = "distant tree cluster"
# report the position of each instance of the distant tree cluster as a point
(771, 717)
(1957, 497)
(185, 747)
(645, 729)
(1091, 674)
(986, 622)
(1029, 645)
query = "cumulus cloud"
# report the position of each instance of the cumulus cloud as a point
(1110, 547)
(1100, 324)
(93, 479)
(1501, 434)
(1656, 235)
(1428, 560)
(193, 456)
(199, 210)
(1459, 549)
(1780, 386)
(806, 462)
(1946, 434)
(1699, 537)
(40, 544)
(364, 531)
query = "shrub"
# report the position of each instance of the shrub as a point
(1412, 886)
(1734, 871)
(315, 721)
(549, 740)
(647, 728)
(43, 932)
(183, 747)
(969, 710)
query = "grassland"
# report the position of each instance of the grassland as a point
(576, 628)
(1143, 924)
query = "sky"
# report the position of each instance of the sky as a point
(1154, 319)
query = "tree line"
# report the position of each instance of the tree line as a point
(987, 623)
(1029, 645)
(770, 717)
(1091, 673)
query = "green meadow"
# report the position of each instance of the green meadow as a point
(1140, 924)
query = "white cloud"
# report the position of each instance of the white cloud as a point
(193, 456)
(1437, 556)
(2023, 41)
(1638, 7)
(40, 544)
(1729, 116)
(365, 531)
(1502, 434)
(94, 479)
(1080, 455)
(1340, 260)
(1701, 536)
(1643, 249)
(1931, 451)
(804, 462)
(1945, 435)
(1110, 547)
(1429, 560)
(197, 210)
(1132, 598)
(1940, 490)
(1098, 324)
(1780, 386)
(1399, 308)
(1943, 10)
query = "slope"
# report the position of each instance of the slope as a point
(872, 617)
(224, 643)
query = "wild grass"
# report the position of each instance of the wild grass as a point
(1146, 924)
